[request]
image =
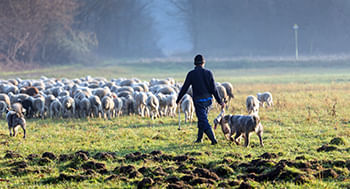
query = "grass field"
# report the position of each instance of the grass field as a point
(311, 110)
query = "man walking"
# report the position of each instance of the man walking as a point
(203, 87)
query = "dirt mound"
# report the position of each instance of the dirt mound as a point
(134, 174)
(337, 141)
(12, 155)
(181, 158)
(65, 157)
(49, 155)
(187, 178)
(125, 169)
(223, 171)
(156, 153)
(178, 185)
(328, 173)
(105, 156)
(268, 155)
(172, 179)
(80, 156)
(201, 180)
(202, 172)
(160, 172)
(19, 164)
(145, 183)
(147, 172)
(84, 152)
(326, 148)
(44, 161)
(245, 185)
(31, 157)
(136, 156)
(300, 158)
(94, 165)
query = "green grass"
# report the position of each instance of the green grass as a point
(302, 120)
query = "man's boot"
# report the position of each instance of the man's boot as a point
(199, 136)
(211, 136)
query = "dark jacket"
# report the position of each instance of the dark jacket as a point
(203, 85)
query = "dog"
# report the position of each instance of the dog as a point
(241, 125)
(14, 120)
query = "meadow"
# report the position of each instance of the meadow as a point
(306, 134)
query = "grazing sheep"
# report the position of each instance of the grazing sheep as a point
(265, 97)
(14, 120)
(153, 106)
(171, 104)
(39, 106)
(96, 105)
(162, 104)
(167, 90)
(56, 109)
(107, 107)
(84, 108)
(68, 106)
(229, 90)
(140, 102)
(118, 105)
(187, 107)
(239, 125)
(6, 99)
(3, 108)
(128, 105)
(31, 91)
(101, 92)
(28, 106)
(222, 93)
(252, 104)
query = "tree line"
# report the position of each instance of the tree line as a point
(63, 31)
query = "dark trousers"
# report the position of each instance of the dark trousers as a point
(202, 110)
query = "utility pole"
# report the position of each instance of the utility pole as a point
(296, 27)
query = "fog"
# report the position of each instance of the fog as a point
(255, 27)
(70, 31)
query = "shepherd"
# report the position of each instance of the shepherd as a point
(203, 86)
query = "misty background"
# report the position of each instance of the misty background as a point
(70, 31)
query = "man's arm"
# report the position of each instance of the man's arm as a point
(213, 88)
(184, 88)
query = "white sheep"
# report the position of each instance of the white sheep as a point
(252, 104)
(68, 106)
(265, 97)
(229, 90)
(56, 109)
(84, 108)
(187, 107)
(118, 105)
(107, 107)
(152, 105)
(140, 102)
(96, 105)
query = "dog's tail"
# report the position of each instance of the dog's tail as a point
(218, 119)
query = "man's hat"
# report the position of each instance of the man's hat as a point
(198, 60)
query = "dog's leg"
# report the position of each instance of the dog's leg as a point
(14, 131)
(236, 137)
(246, 142)
(24, 130)
(259, 133)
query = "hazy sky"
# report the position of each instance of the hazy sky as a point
(173, 37)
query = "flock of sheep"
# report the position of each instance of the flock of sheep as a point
(98, 97)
